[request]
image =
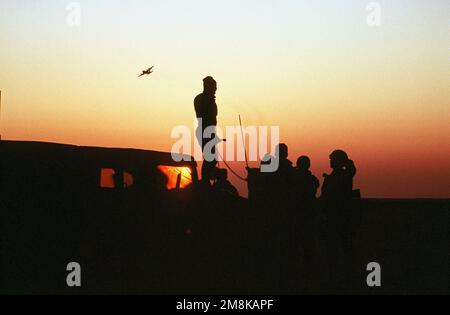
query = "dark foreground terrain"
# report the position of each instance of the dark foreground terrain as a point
(230, 249)
(138, 234)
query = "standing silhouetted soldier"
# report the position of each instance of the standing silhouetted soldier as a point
(282, 153)
(337, 193)
(305, 220)
(206, 111)
(305, 183)
(284, 175)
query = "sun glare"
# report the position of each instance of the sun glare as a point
(178, 177)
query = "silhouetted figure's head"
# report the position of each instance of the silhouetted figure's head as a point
(221, 174)
(303, 163)
(222, 183)
(209, 86)
(338, 159)
(282, 151)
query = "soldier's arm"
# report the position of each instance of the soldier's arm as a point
(351, 168)
(198, 106)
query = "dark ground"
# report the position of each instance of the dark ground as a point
(201, 251)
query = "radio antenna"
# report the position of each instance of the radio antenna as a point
(243, 141)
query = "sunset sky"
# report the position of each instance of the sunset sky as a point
(314, 68)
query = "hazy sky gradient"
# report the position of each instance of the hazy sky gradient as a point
(315, 68)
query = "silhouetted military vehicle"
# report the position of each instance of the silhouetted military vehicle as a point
(110, 210)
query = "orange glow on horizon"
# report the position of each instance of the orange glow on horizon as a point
(175, 174)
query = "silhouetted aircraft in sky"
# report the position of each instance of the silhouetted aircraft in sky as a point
(147, 72)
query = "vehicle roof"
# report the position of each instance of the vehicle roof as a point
(103, 155)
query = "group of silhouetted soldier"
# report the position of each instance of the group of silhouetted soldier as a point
(287, 181)
(290, 192)
(299, 184)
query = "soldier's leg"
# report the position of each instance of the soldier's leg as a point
(209, 157)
